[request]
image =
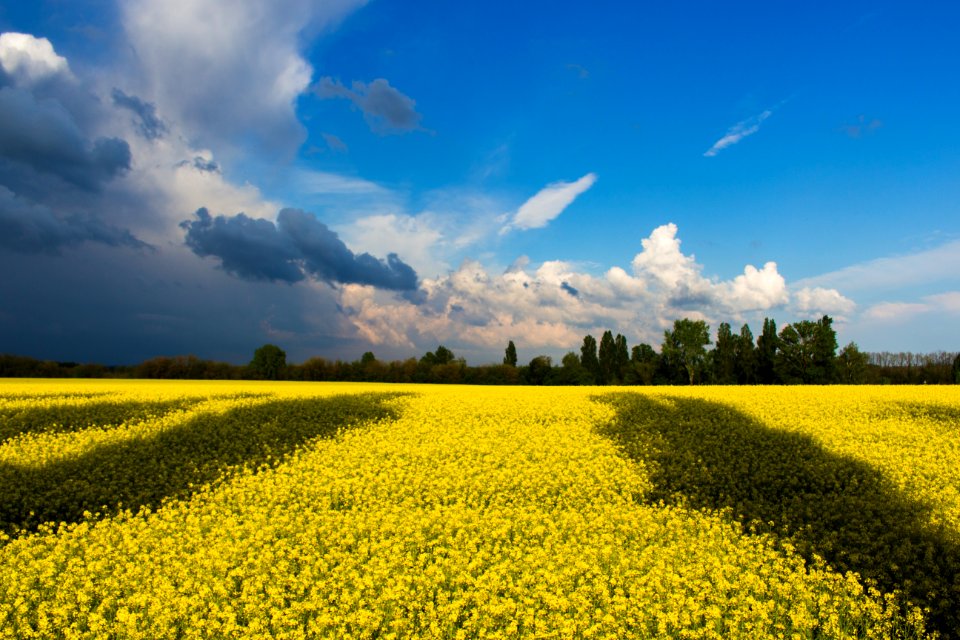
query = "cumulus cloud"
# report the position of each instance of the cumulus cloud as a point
(27, 227)
(385, 109)
(738, 132)
(28, 59)
(818, 301)
(554, 304)
(243, 57)
(548, 203)
(296, 246)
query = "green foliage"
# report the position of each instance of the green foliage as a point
(607, 358)
(643, 364)
(956, 369)
(588, 358)
(684, 348)
(851, 365)
(269, 362)
(807, 352)
(725, 356)
(767, 346)
(510, 355)
(745, 357)
(539, 370)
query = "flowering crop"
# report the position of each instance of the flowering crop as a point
(478, 512)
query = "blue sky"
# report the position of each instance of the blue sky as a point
(334, 177)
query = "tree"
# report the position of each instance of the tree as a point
(725, 356)
(588, 358)
(745, 356)
(607, 358)
(539, 370)
(824, 352)
(443, 355)
(269, 362)
(622, 358)
(685, 346)
(571, 372)
(767, 345)
(643, 363)
(510, 357)
(956, 369)
(795, 356)
(852, 365)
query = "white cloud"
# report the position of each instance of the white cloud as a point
(738, 132)
(817, 301)
(551, 306)
(757, 289)
(886, 274)
(30, 59)
(898, 312)
(228, 69)
(548, 203)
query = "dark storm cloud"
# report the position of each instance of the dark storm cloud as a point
(150, 125)
(43, 135)
(385, 109)
(569, 289)
(296, 246)
(27, 227)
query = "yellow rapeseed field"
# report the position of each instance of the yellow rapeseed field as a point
(294, 510)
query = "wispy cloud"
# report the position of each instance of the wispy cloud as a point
(884, 274)
(548, 203)
(738, 132)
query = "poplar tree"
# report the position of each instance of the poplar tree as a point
(607, 358)
(588, 358)
(510, 358)
(767, 345)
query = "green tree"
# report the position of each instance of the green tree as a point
(824, 352)
(588, 358)
(795, 356)
(643, 363)
(852, 365)
(622, 358)
(725, 356)
(510, 357)
(539, 370)
(767, 345)
(607, 358)
(269, 362)
(956, 369)
(745, 357)
(685, 347)
(571, 372)
(443, 355)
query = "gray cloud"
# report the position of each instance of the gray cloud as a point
(149, 124)
(296, 246)
(385, 109)
(571, 290)
(26, 227)
(43, 135)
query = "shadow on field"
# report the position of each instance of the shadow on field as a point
(62, 417)
(173, 463)
(709, 455)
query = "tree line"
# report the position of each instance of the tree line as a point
(803, 352)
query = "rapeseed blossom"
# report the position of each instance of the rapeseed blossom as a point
(467, 512)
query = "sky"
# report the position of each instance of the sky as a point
(345, 176)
